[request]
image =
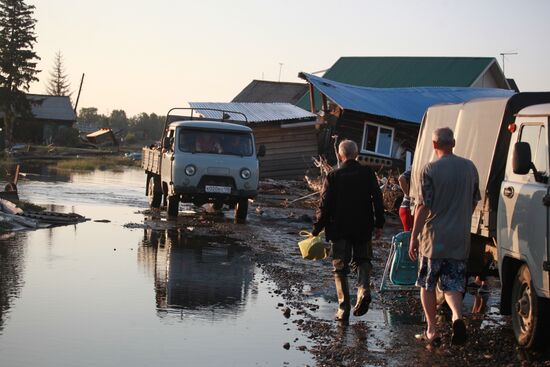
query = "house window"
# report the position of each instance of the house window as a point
(377, 139)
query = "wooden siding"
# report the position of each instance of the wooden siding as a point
(289, 151)
(351, 124)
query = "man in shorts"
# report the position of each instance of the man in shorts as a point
(449, 192)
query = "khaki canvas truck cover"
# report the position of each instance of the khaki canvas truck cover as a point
(476, 125)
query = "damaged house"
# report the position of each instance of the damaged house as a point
(384, 122)
(386, 138)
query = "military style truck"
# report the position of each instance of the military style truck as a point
(507, 139)
(203, 161)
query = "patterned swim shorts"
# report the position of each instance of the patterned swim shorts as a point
(450, 272)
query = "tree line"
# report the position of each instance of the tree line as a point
(18, 70)
(140, 128)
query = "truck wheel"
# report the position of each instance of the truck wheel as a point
(241, 211)
(155, 197)
(528, 313)
(173, 205)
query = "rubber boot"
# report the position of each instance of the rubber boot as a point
(344, 304)
(363, 290)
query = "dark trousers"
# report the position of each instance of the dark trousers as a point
(351, 253)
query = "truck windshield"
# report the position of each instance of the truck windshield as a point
(215, 142)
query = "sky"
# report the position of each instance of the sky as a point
(150, 56)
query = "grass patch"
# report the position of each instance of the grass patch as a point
(102, 163)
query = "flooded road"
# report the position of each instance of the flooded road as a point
(98, 294)
(128, 289)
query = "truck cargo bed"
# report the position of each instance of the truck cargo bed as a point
(150, 160)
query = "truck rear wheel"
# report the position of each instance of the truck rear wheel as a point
(154, 193)
(528, 313)
(173, 205)
(241, 211)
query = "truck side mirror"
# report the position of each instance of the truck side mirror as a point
(167, 143)
(261, 151)
(521, 158)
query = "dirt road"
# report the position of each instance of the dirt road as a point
(385, 336)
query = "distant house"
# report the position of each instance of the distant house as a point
(384, 122)
(288, 132)
(51, 113)
(404, 72)
(262, 91)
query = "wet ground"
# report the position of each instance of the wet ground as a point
(127, 288)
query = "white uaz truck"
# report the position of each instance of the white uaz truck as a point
(203, 161)
(507, 139)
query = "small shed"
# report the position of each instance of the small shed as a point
(384, 122)
(288, 132)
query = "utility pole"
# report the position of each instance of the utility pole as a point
(78, 96)
(503, 54)
(280, 68)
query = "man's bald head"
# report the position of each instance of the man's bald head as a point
(347, 150)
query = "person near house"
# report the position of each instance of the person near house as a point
(350, 211)
(449, 191)
(405, 208)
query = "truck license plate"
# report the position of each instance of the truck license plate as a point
(218, 189)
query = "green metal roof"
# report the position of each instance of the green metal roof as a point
(402, 72)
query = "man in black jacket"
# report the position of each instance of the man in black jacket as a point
(350, 210)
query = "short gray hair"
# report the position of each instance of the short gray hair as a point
(443, 136)
(348, 149)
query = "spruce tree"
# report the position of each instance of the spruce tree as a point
(17, 61)
(59, 84)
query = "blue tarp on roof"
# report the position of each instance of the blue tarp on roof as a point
(405, 104)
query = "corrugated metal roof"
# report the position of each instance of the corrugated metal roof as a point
(405, 104)
(52, 108)
(271, 92)
(402, 72)
(255, 112)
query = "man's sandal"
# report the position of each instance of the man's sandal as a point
(434, 342)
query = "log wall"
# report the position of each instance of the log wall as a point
(289, 151)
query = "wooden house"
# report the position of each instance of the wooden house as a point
(288, 132)
(51, 113)
(383, 138)
(384, 122)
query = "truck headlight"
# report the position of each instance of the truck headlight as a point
(190, 170)
(245, 173)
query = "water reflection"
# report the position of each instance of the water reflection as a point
(35, 171)
(197, 273)
(11, 272)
